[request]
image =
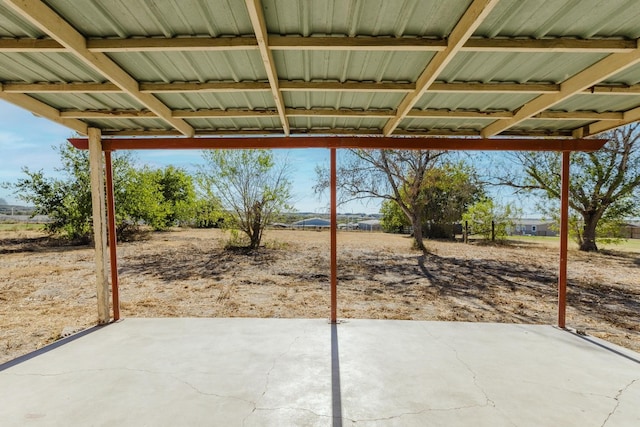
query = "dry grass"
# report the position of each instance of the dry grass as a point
(47, 290)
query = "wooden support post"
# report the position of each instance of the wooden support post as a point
(564, 240)
(334, 241)
(113, 242)
(99, 223)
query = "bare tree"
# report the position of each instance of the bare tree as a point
(396, 175)
(604, 184)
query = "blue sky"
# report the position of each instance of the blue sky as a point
(27, 140)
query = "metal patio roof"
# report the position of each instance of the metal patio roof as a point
(346, 67)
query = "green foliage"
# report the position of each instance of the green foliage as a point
(177, 189)
(481, 214)
(66, 201)
(393, 219)
(156, 198)
(604, 187)
(249, 186)
(447, 190)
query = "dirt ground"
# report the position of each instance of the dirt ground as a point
(47, 291)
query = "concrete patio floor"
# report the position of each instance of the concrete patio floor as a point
(293, 372)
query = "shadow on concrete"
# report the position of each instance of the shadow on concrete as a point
(603, 345)
(336, 394)
(49, 347)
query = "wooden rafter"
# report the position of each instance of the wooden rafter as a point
(254, 7)
(50, 22)
(334, 43)
(465, 27)
(590, 76)
(340, 112)
(300, 86)
(628, 117)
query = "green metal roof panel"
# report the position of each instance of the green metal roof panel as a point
(356, 65)
(89, 101)
(358, 17)
(426, 124)
(630, 76)
(116, 125)
(517, 67)
(196, 66)
(474, 101)
(45, 67)
(131, 18)
(337, 123)
(221, 100)
(599, 103)
(557, 18)
(550, 125)
(351, 100)
(13, 25)
(244, 123)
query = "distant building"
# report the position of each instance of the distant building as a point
(631, 229)
(534, 227)
(369, 225)
(313, 223)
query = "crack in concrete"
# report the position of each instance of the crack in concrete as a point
(488, 401)
(617, 399)
(268, 375)
(294, 408)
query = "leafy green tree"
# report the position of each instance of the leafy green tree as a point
(393, 220)
(67, 200)
(604, 187)
(250, 185)
(482, 214)
(448, 191)
(178, 195)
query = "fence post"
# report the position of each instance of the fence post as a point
(493, 230)
(465, 234)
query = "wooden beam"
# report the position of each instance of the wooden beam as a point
(461, 114)
(113, 241)
(579, 115)
(366, 142)
(465, 27)
(561, 44)
(40, 15)
(41, 109)
(30, 45)
(79, 87)
(301, 86)
(331, 43)
(497, 87)
(204, 87)
(179, 43)
(254, 7)
(360, 43)
(340, 112)
(108, 114)
(629, 116)
(590, 76)
(96, 165)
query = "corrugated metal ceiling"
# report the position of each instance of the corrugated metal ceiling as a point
(382, 66)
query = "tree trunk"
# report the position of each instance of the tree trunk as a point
(588, 243)
(416, 223)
